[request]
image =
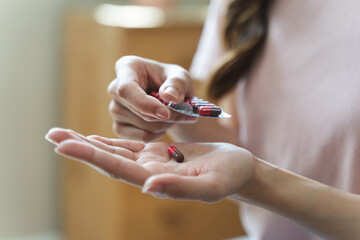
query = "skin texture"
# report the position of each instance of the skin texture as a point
(210, 171)
(139, 116)
(136, 114)
(151, 167)
(213, 171)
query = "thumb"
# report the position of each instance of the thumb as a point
(176, 87)
(202, 188)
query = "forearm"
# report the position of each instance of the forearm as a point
(204, 130)
(322, 209)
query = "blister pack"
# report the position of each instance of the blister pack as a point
(196, 107)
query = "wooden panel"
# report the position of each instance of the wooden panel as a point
(96, 207)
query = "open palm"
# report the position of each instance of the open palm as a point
(210, 171)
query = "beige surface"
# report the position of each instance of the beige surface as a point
(97, 207)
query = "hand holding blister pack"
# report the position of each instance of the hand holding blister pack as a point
(195, 107)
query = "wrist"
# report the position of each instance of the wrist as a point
(259, 185)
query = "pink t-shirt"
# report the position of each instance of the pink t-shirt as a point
(299, 107)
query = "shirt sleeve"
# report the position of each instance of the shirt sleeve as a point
(210, 48)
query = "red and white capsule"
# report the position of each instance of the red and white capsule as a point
(176, 154)
(199, 105)
(209, 111)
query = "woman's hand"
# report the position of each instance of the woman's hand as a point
(210, 172)
(136, 114)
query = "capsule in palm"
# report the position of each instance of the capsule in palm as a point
(176, 154)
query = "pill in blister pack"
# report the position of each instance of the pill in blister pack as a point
(195, 107)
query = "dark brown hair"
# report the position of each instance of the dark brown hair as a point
(244, 35)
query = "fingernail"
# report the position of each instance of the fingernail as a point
(50, 140)
(173, 92)
(159, 195)
(162, 113)
(56, 150)
(154, 189)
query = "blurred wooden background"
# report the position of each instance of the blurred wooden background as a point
(96, 207)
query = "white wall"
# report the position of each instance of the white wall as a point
(30, 36)
(29, 79)
(30, 76)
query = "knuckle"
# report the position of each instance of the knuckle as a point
(114, 109)
(181, 73)
(123, 90)
(177, 68)
(111, 89)
(126, 60)
(179, 82)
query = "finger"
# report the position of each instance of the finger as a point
(57, 135)
(117, 166)
(118, 103)
(130, 132)
(124, 115)
(177, 85)
(111, 149)
(131, 93)
(202, 187)
(149, 73)
(117, 109)
(134, 146)
(121, 114)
